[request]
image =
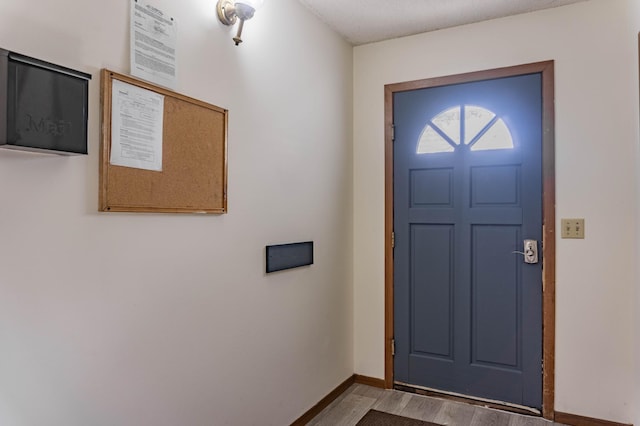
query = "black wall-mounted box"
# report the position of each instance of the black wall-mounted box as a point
(43, 106)
(288, 256)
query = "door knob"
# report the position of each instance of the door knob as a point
(530, 251)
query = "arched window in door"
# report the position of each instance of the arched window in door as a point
(468, 125)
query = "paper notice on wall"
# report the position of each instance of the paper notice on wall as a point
(153, 44)
(136, 127)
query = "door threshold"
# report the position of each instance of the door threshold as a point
(473, 400)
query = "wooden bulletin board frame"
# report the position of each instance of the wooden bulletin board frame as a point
(194, 165)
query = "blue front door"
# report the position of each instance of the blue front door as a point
(467, 193)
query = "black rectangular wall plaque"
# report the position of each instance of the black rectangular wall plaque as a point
(43, 106)
(287, 256)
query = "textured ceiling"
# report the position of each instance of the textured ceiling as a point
(366, 21)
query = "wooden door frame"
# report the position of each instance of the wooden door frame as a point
(546, 69)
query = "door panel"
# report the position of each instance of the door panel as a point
(495, 325)
(467, 309)
(432, 187)
(432, 305)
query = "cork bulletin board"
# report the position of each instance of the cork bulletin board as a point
(193, 178)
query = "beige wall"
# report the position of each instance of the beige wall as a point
(594, 45)
(140, 319)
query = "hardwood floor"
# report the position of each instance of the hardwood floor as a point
(354, 403)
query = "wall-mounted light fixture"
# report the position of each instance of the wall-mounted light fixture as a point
(230, 11)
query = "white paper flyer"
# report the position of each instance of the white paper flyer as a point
(136, 127)
(153, 44)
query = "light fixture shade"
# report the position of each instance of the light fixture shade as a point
(255, 4)
(244, 11)
(229, 11)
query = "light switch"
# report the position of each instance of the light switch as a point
(572, 228)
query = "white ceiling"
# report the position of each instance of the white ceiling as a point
(366, 21)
